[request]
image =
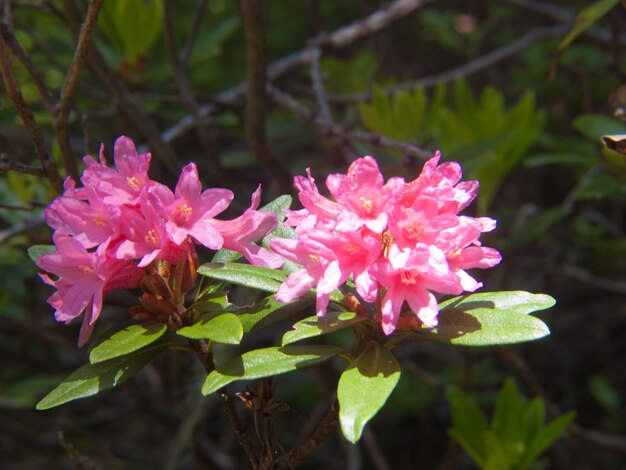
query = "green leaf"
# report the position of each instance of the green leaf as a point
(255, 277)
(36, 251)
(585, 19)
(267, 362)
(364, 388)
(490, 318)
(268, 311)
(469, 424)
(225, 328)
(513, 301)
(126, 341)
(91, 379)
(508, 414)
(594, 126)
(547, 436)
(316, 326)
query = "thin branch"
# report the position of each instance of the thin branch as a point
(256, 107)
(6, 165)
(586, 277)
(304, 113)
(318, 86)
(18, 51)
(328, 423)
(480, 63)
(62, 109)
(186, 92)
(341, 38)
(47, 163)
(193, 30)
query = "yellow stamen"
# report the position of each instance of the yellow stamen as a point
(184, 212)
(407, 278)
(367, 204)
(152, 238)
(99, 220)
(133, 182)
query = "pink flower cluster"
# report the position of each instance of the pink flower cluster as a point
(399, 241)
(120, 221)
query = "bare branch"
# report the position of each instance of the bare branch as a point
(343, 37)
(6, 165)
(193, 30)
(318, 86)
(304, 113)
(469, 68)
(256, 107)
(19, 52)
(61, 111)
(186, 92)
(48, 165)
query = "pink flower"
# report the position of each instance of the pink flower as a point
(122, 184)
(189, 211)
(240, 234)
(83, 279)
(400, 242)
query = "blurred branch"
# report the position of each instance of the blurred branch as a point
(19, 52)
(256, 102)
(186, 92)
(306, 114)
(193, 30)
(61, 111)
(328, 423)
(469, 68)
(48, 166)
(30, 224)
(586, 277)
(342, 37)
(6, 165)
(127, 105)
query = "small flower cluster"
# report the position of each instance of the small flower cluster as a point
(399, 241)
(120, 221)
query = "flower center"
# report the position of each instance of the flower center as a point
(152, 238)
(86, 269)
(183, 212)
(133, 182)
(353, 248)
(367, 204)
(99, 220)
(314, 258)
(413, 231)
(407, 278)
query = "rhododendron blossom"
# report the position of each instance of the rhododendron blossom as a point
(108, 231)
(401, 242)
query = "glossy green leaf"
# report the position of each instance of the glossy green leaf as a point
(317, 326)
(364, 388)
(255, 277)
(268, 311)
(512, 301)
(267, 362)
(91, 379)
(35, 251)
(222, 328)
(126, 341)
(585, 19)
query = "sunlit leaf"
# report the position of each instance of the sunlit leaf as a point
(126, 341)
(222, 328)
(255, 277)
(364, 388)
(316, 326)
(91, 379)
(267, 362)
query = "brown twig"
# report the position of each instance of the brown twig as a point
(328, 423)
(256, 102)
(186, 92)
(6, 165)
(48, 165)
(145, 124)
(61, 111)
(202, 352)
(18, 51)
(340, 38)
(287, 101)
(193, 30)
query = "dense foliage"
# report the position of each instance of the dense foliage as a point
(514, 90)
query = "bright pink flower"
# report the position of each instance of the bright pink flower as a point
(83, 278)
(122, 184)
(240, 234)
(189, 211)
(406, 240)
